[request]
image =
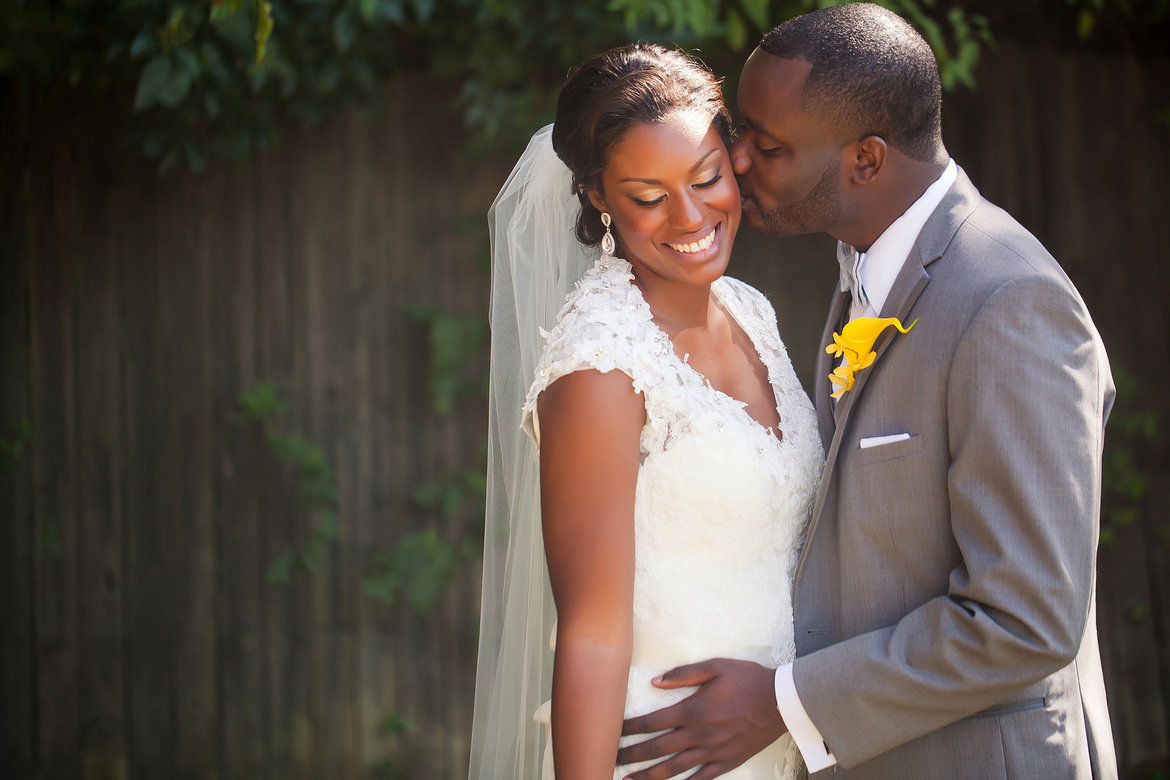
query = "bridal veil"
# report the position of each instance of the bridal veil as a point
(536, 259)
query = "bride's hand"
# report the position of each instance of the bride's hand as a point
(730, 718)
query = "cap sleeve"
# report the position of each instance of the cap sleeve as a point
(604, 326)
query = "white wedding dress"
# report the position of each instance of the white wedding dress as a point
(721, 503)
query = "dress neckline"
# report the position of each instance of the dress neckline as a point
(719, 290)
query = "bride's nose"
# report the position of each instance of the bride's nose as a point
(688, 213)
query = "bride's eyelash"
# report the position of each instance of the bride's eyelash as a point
(701, 185)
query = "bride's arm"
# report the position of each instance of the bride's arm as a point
(590, 425)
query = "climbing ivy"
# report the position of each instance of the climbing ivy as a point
(263, 406)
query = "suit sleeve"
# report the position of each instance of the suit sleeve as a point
(1027, 395)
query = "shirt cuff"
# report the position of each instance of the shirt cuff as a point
(807, 737)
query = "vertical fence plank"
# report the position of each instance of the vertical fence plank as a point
(102, 519)
(52, 330)
(18, 739)
(282, 321)
(190, 477)
(151, 451)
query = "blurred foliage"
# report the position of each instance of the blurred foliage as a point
(419, 569)
(13, 443)
(1133, 428)
(219, 78)
(422, 565)
(49, 540)
(263, 406)
(388, 769)
(453, 344)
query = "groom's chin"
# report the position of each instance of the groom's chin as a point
(756, 222)
(761, 228)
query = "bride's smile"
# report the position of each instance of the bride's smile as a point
(701, 245)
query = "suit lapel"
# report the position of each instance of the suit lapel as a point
(821, 384)
(912, 280)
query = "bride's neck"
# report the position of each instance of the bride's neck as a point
(677, 306)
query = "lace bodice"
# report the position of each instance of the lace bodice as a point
(721, 503)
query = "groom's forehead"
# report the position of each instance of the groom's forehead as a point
(777, 72)
(771, 93)
(768, 80)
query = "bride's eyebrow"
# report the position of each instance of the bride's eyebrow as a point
(694, 168)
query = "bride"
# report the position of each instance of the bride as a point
(650, 446)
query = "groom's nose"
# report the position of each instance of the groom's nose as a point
(741, 161)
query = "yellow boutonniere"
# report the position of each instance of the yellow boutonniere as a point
(855, 345)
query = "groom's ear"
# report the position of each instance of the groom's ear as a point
(871, 156)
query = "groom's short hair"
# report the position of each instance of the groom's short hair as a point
(872, 74)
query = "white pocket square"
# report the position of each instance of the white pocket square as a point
(877, 441)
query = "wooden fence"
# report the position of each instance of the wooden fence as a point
(141, 516)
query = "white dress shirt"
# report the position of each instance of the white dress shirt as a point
(875, 270)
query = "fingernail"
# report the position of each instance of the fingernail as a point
(657, 681)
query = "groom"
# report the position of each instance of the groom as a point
(944, 600)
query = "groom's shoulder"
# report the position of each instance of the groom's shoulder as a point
(998, 245)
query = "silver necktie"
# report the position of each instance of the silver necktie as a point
(851, 261)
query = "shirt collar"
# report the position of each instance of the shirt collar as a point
(881, 264)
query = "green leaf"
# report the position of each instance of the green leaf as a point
(737, 34)
(394, 723)
(451, 499)
(1086, 22)
(13, 443)
(263, 403)
(344, 30)
(327, 525)
(156, 81)
(222, 9)
(430, 579)
(425, 495)
(383, 581)
(264, 26)
(387, 770)
(757, 13)
(144, 43)
(49, 539)
(309, 557)
(476, 481)
(1123, 518)
(279, 572)
(421, 564)
(424, 9)
(187, 60)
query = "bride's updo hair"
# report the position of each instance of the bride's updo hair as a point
(610, 93)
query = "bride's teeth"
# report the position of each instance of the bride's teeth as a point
(696, 246)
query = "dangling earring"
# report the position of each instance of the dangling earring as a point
(608, 244)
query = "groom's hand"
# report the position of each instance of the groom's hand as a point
(728, 720)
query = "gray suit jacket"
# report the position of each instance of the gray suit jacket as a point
(944, 599)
